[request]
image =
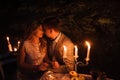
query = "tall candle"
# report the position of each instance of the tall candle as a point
(64, 52)
(88, 51)
(18, 44)
(9, 45)
(76, 56)
(8, 40)
(76, 52)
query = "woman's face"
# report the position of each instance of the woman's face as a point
(39, 32)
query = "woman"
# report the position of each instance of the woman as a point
(32, 53)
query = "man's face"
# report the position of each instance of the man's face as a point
(48, 32)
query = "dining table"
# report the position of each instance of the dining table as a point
(49, 75)
(6, 58)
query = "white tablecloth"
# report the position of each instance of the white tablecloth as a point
(64, 76)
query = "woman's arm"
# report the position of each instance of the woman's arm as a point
(22, 65)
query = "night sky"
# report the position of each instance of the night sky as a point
(95, 20)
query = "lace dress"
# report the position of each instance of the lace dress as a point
(34, 56)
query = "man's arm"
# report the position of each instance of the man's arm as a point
(69, 61)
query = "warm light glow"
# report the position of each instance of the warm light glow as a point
(76, 56)
(9, 45)
(15, 49)
(19, 44)
(88, 44)
(76, 52)
(88, 51)
(64, 51)
(8, 40)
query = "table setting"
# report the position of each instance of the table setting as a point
(71, 75)
(49, 75)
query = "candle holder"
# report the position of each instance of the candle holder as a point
(87, 59)
(76, 63)
(81, 63)
(67, 68)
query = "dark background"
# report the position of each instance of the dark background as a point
(94, 20)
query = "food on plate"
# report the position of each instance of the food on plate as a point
(73, 73)
(74, 78)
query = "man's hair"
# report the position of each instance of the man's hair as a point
(51, 22)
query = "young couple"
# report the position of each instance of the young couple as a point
(38, 54)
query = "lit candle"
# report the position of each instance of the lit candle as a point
(15, 49)
(76, 52)
(18, 44)
(9, 45)
(8, 40)
(76, 56)
(88, 51)
(64, 52)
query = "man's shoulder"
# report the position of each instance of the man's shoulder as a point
(65, 37)
(66, 40)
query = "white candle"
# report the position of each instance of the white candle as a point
(8, 40)
(76, 52)
(64, 52)
(88, 51)
(15, 49)
(76, 56)
(9, 45)
(18, 44)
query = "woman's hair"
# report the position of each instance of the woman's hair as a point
(30, 28)
(29, 32)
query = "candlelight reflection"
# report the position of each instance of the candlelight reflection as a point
(64, 51)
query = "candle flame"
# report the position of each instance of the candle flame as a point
(88, 44)
(88, 52)
(15, 49)
(7, 38)
(75, 47)
(18, 42)
(9, 45)
(76, 51)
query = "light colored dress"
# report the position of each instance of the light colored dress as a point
(34, 55)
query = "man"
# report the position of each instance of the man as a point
(55, 47)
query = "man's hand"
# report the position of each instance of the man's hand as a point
(55, 64)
